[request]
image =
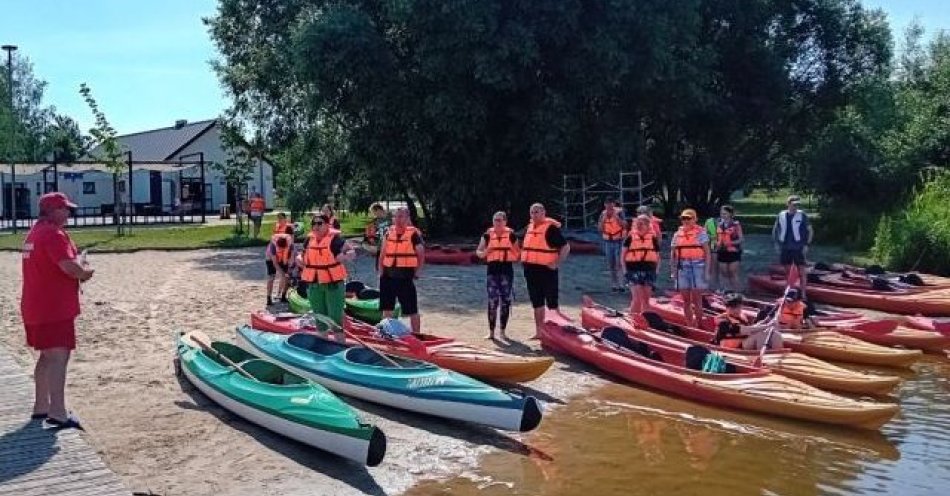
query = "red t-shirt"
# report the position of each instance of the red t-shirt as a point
(49, 294)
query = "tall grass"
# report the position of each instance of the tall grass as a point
(918, 238)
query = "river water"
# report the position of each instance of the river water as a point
(621, 440)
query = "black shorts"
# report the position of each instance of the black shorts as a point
(392, 290)
(542, 286)
(272, 269)
(793, 257)
(728, 257)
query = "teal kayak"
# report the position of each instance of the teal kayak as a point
(278, 400)
(408, 384)
(366, 310)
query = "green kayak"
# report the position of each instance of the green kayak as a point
(366, 310)
(278, 400)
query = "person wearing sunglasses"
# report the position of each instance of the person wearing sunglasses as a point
(321, 262)
(401, 258)
(499, 248)
(690, 265)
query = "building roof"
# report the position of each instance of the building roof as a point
(164, 143)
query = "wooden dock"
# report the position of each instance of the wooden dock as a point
(40, 462)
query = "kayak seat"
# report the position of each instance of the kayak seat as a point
(366, 356)
(695, 356)
(267, 372)
(620, 338)
(315, 344)
(911, 279)
(354, 287)
(655, 321)
(368, 294)
(880, 284)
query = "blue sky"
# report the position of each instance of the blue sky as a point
(147, 60)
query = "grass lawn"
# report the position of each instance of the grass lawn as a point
(758, 210)
(98, 239)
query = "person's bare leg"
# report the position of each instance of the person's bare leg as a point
(635, 300)
(40, 372)
(58, 359)
(270, 287)
(415, 321)
(538, 322)
(646, 292)
(283, 286)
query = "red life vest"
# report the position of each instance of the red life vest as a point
(724, 236)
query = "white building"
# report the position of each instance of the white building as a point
(159, 184)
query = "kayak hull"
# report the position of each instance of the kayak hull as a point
(758, 391)
(365, 310)
(284, 410)
(485, 364)
(414, 386)
(797, 366)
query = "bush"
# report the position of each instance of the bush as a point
(919, 237)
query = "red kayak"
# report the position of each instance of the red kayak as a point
(446, 255)
(579, 247)
(933, 302)
(751, 309)
(674, 371)
(445, 352)
(783, 361)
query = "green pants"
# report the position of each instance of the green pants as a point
(327, 299)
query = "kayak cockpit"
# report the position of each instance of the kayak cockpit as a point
(262, 370)
(693, 358)
(357, 354)
(366, 356)
(315, 344)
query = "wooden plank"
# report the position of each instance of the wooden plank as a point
(44, 462)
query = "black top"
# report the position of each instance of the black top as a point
(501, 268)
(640, 266)
(726, 329)
(402, 272)
(555, 238)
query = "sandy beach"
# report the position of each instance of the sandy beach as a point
(161, 435)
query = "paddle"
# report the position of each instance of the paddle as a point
(196, 337)
(331, 324)
(772, 327)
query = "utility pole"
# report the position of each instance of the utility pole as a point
(13, 189)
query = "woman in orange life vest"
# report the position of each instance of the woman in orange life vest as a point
(277, 256)
(543, 250)
(728, 248)
(795, 313)
(641, 259)
(321, 264)
(402, 255)
(655, 222)
(281, 226)
(611, 226)
(690, 265)
(328, 211)
(499, 248)
(255, 210)
(735, 330)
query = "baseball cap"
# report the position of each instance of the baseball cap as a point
(793, 294)
(54, 200)
(793, 199)
(688, 213)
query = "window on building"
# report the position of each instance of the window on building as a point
(88, 188)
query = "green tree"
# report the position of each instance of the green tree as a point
(30, 117)
(110, 153)
(239, 167)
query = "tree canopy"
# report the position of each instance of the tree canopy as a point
(470, 106)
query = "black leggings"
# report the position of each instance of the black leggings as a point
(499, 299)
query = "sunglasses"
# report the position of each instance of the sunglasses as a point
(686, 218)
(319, 223)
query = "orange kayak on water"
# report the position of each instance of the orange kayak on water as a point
(930, 302)
(678, 372)
(482, 363)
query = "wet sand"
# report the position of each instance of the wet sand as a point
(162, 436)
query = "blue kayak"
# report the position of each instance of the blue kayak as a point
(412, 385)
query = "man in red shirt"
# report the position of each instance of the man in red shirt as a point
(49, 305)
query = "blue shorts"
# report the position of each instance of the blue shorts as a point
(691, 275)
(612, 252)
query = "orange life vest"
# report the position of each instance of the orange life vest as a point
(687, 243)
(793, 314)
(535, 249)
(398, 251)
(642, 248)
(724, 236)
(320, 265)
(257, 206)
(613, 228)
(500, 248)
(732, 342)
(282, 255)
(280, 227)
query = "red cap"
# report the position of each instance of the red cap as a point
(50, 201)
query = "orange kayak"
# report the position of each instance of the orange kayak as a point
(482, 363)
(931, 302)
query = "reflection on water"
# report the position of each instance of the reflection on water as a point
(624, 440)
